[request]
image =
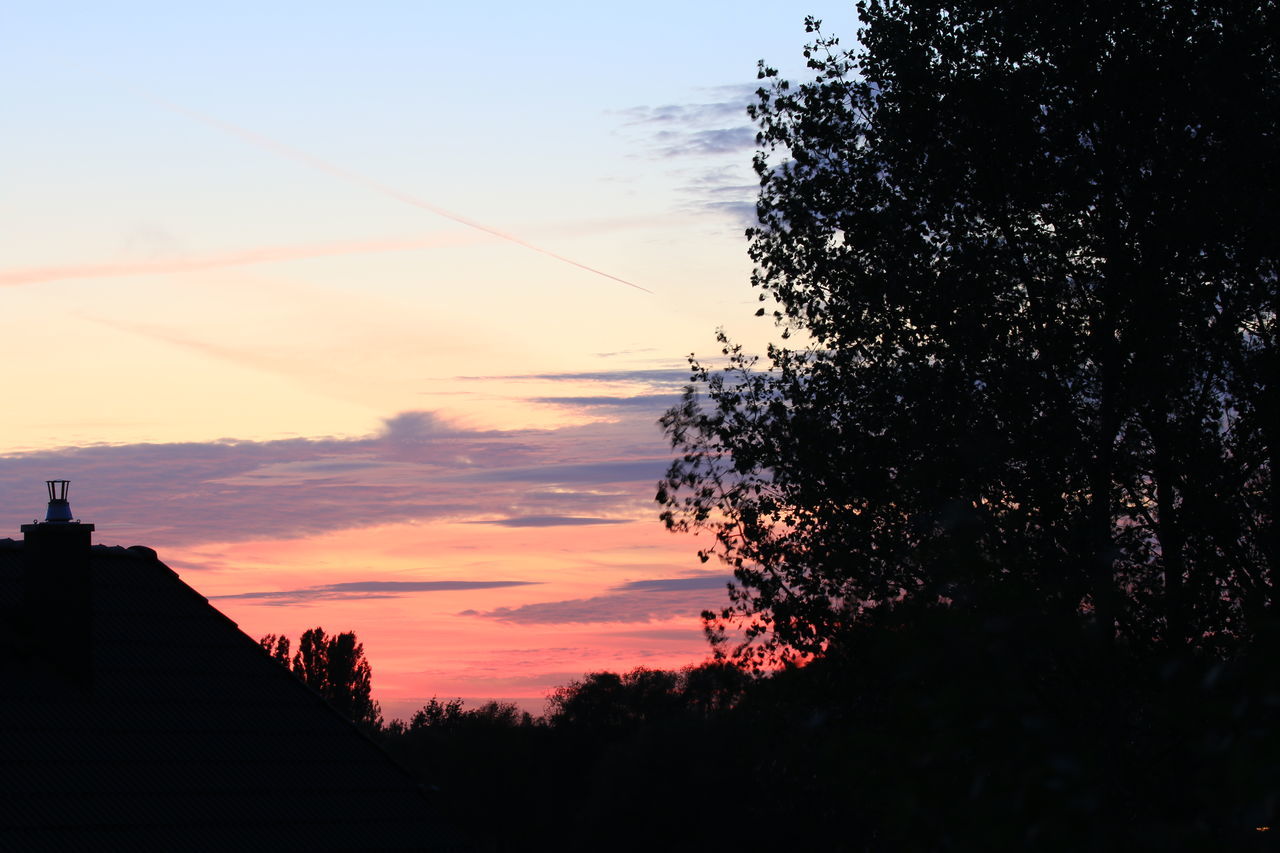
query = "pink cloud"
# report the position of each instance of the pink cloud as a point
(652, 600)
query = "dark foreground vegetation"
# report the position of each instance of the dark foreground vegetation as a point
(926, 731)
(999, 502)
(922, 729)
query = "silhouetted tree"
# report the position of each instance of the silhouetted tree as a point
(713, 687)
(1024, 262)
(449, 714)
(437, 713)
(611, 700)
(277, 646)
(502, 715)
(333, 666)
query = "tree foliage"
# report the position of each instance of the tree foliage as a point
(447, 715)
(926, 729)
(618, 701)
(335, 667)
(1024, 261)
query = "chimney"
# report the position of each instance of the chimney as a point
(57, 587)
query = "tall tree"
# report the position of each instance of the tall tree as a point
(335, 667)
(1024, 260)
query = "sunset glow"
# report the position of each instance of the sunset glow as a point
(364, 318)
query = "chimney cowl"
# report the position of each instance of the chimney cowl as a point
(58, 516)
(59, 511)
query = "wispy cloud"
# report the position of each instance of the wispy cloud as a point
(416, 467)
(741, 212)
(673, 377)
(723, 140)
(718, 126)
(723, 191)
(365, 589)
(726, 103)
(549, 521)
(645, 402)
(713, 138)
(239, 258)
(675, 584)
(583, 473)
(636, 601)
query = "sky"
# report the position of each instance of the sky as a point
(363, 315)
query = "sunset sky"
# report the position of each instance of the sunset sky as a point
(362, 315)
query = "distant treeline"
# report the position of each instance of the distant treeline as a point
(928, 730)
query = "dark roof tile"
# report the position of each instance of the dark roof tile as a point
(189, 737)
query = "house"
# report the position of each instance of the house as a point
(134, 715)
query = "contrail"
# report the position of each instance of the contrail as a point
(364, 181)
(245, 257)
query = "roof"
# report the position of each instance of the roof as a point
(190, 737)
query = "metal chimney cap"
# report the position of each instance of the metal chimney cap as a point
(59, 511)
